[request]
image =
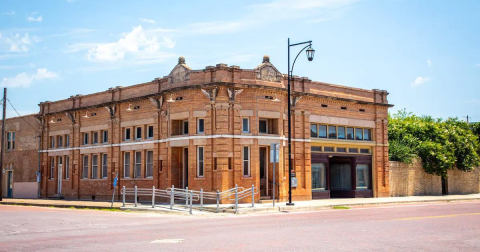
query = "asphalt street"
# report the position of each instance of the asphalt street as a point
(427, 227)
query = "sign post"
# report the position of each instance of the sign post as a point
(114, 187)
(274, 158)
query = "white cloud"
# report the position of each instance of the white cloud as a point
(420, 80)
(24, 79)
(146, 20)
(35, 19)
(8, 13)
(137, 44)
(429, 63)
(17, 42)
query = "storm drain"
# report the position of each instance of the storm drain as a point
(168, 241)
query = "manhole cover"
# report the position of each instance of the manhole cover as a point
(168, 241)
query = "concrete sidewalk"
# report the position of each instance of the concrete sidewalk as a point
(244, 208)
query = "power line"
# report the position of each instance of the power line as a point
(21, 115)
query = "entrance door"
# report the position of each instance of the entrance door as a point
(185, 168)
(263, 172)
(9, 184)
(59, 179)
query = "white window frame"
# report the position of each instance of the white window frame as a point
(52, 167)
(266, 126)
(94, 135)
(126, 165)
(249, 173)
(125, 134)
(183, 127)
(198, 126)
(149, 165)
(138, 165)
(248, 125)
(67, 167)
(148, 131)
(85, 138)
(137, 137)
(10, 140)
(94, 167)
(202, 162)
(104, 136)
(104, 165)
(85, 167)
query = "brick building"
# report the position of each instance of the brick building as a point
(21, 157)
(211, 129)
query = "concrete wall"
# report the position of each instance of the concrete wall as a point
(412, 180)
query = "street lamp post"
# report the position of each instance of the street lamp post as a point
(310, 53)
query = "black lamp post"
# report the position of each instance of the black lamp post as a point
(310, 53)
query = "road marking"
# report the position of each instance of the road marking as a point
(168, 241)
(438, 216)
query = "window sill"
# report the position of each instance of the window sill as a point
(136, 179)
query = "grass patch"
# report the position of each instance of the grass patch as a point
(340, 207)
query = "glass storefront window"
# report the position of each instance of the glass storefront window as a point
(341, 132)
(332, 132)
(358, 134)
(363, 176)
(319, 180)
(313, 130)
(367, 134)
(322, 131)
(350, 134)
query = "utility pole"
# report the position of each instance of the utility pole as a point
(2, 146)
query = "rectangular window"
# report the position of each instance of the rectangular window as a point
(358, 134)
(95, 138)
(365, 151)
(319, 180)
(341, 132)
(149, 171)
(185, 127)
(215, 163)
(94, 166)
(126, 136)
(138, 165)
(104, 136)
(150, 132)
(60, 141)
(200, 126)
(126, 165)
(230, 163)
(263, 126)
(11, 140)
(104, 165)
(341, 149)
(52, 142)
(316, 148)
(52, 167)
(332, 132)
(246, 161)
(67, 140)
(322, 131)
(350, 134)
(85, 138)
(200, 162)
(328, 149)
(85, 167)
(353, 150)
(67, 167)
(245, 125)
(367, 134)
(363, 176)
(138, 133)
(313, 130)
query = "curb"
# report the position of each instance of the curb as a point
(57, 206)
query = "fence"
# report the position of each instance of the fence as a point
(189, 196)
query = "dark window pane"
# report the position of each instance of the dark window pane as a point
(245, 153)
(127, 134)
(322, 131)
(262, 126)
(316, 148)
(185, 127)
(350, 134)
(318, 176)
(200, 153)
(150, 131)
(367, 134)
(341, 132)
(139, 133)
(245, 125)
(364, 151)
(341, 149)
(328, 149)
(332, 132)
(313, 130)
(201, 126)
(358, 134)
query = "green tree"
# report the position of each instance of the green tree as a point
(441, 144)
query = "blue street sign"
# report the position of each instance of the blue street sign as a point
(115, 182)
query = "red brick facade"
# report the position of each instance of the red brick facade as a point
(221, 97)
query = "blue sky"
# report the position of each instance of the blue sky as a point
(425, 53)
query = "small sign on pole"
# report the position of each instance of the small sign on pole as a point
(114, 187)
(274, 158)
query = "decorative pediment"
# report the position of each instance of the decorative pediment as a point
(180, 73)
(268, 72)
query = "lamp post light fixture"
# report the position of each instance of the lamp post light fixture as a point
(310, 53)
